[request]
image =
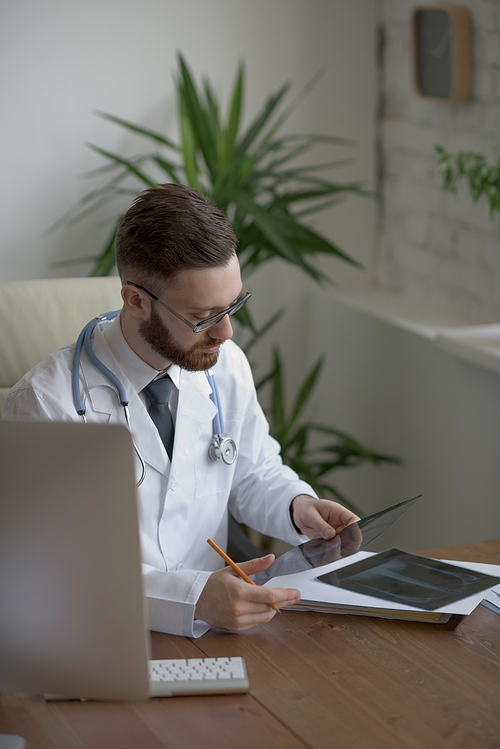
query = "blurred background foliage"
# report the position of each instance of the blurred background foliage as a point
(480, 174)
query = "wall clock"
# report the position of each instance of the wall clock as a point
(442, 52)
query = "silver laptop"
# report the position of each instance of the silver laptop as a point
(72, 618)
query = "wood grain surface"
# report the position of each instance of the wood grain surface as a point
(316, 681)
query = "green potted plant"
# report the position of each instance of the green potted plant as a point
(252, 174)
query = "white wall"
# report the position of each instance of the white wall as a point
(401, 394)
(438, 246)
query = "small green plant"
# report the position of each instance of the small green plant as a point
(313, 462)
(481, 175)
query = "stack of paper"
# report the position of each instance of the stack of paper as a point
(319, 596)
(492, 600)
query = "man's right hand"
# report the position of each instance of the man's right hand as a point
(228, 602)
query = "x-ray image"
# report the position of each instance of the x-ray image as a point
(410, 579)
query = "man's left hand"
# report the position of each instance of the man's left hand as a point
(320, 518)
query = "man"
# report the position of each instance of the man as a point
(176, 256)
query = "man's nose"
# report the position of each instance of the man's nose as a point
(223, 329)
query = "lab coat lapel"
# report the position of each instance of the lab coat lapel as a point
(147, 437)
(195, 412)
(104, 399)
(194, 397)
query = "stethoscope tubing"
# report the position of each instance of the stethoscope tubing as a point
(85, 340)
(218, 421)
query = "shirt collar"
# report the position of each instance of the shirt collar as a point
(136, 370)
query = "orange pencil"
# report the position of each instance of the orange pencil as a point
(236, 568)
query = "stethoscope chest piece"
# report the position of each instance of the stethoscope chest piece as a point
(223, 448)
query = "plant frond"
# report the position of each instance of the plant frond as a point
(139, 130)
(131, 167)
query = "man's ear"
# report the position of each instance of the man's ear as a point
(136, 301)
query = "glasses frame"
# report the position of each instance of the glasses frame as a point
(210, 322)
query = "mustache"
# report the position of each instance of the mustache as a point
(209, 344)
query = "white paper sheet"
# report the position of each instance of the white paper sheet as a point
(493, 598)
(312, 590)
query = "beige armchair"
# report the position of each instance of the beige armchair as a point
(38, 317)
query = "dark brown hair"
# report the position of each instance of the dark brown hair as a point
(170, 228)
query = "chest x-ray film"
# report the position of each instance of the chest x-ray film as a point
(318, 552)
(399, 576)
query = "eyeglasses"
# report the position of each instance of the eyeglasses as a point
(203, 324)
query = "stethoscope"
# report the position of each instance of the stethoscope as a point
(221, 447)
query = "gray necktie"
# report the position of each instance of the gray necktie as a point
(158, 393)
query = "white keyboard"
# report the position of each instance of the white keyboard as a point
(197, 676)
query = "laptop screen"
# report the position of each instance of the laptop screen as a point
(72, 617)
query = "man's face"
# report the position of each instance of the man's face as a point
(194, 294)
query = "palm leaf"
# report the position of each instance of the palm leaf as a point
(188, 147)
(262, 119)
(172, 170)
(199, 119)
(212, 107)
(139, 130)
(233, 123)
(306, 391)
(318, 207)
(266, 222)
(278, 404)
(244, 318)
(131, 167)
(258, 334)
(94, 196)
(286, 114)
(107, 259)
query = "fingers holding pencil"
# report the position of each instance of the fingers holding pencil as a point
(237, 568)
(229, 602)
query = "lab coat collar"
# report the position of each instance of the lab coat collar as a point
(195, 410)
(136, 370)
(102, 398)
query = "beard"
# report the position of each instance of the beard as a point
(161, 340)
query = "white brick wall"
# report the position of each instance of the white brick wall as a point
(434, 244)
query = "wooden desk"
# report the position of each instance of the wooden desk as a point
(316, 681)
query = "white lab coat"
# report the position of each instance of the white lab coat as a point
(183, 503)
